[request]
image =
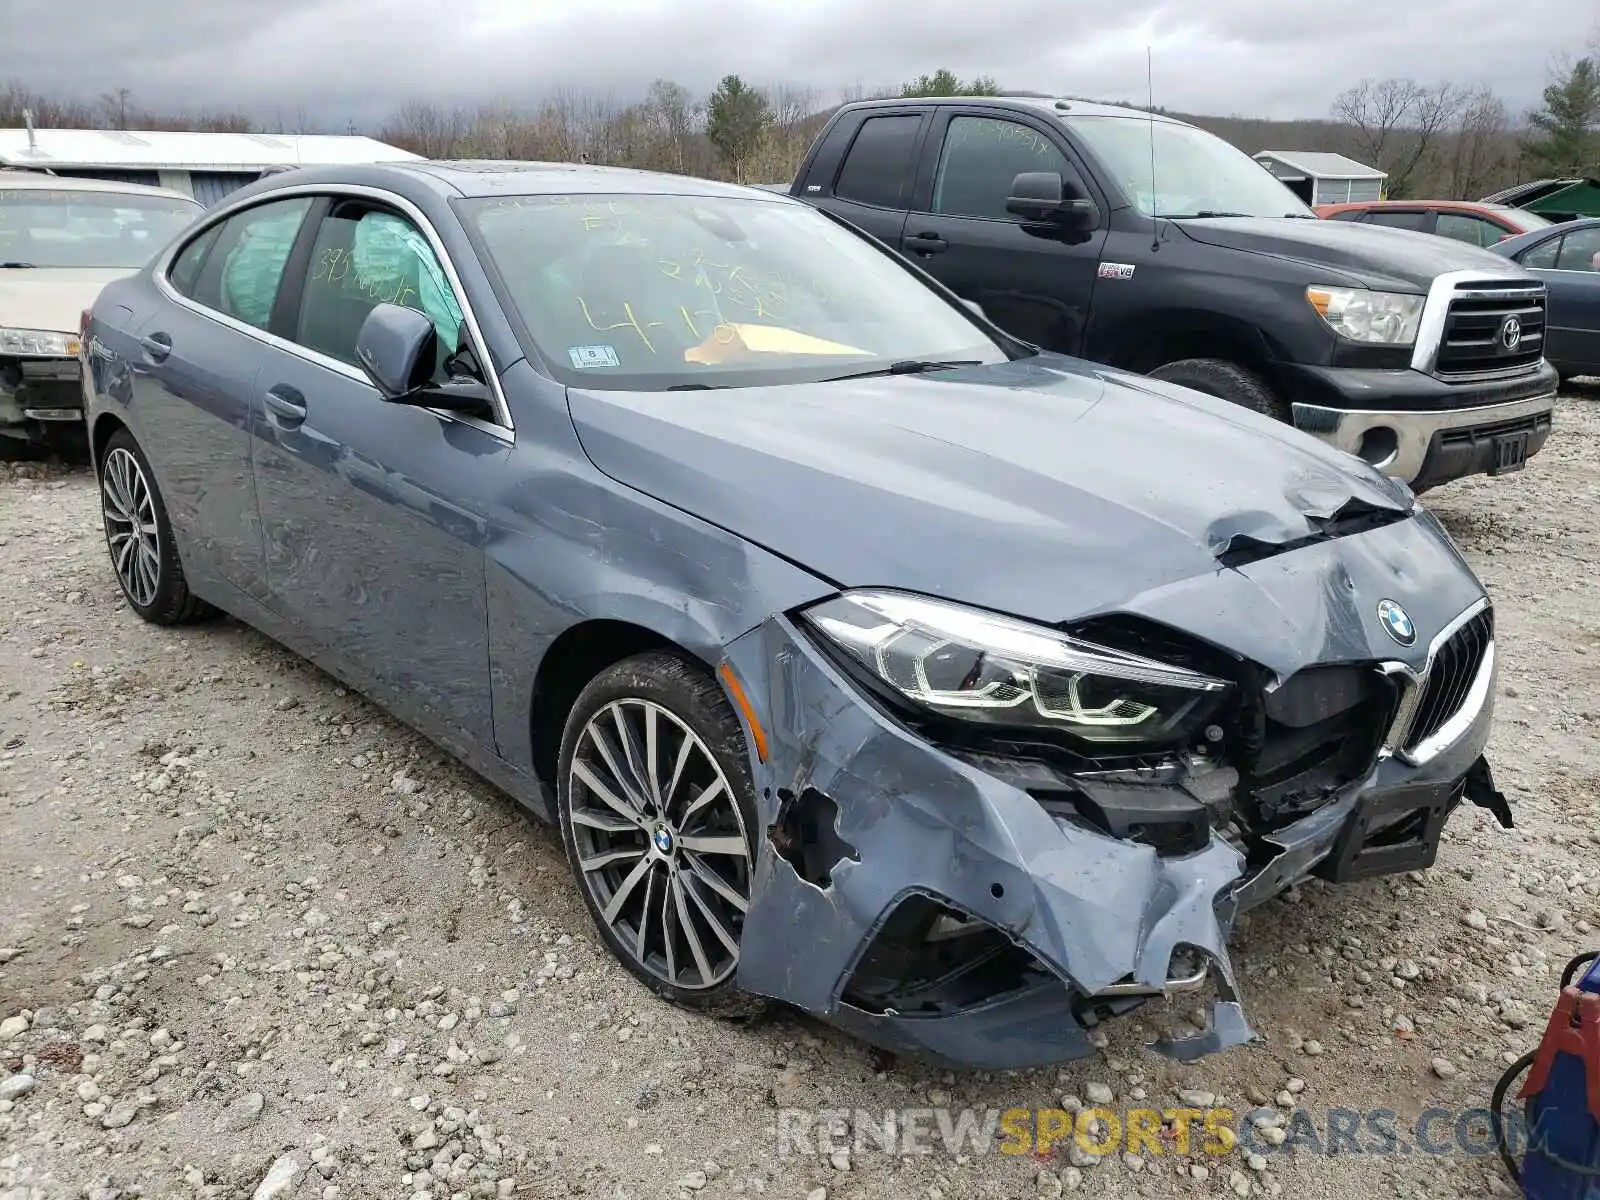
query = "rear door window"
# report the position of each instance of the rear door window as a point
(185, 271)
(1464, 227)
(242, 272)
(1410, 219)
(877, 170)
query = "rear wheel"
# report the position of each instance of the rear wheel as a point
(139, 537)
(1226, 381)
(658, 817)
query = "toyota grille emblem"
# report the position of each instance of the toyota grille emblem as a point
(1511, 334)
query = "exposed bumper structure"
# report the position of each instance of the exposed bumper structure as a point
(950, 906)
(39, 397)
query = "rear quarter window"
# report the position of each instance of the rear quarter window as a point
(877, 170)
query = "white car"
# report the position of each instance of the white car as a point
(61, 241)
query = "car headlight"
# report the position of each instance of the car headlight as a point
(1377, 318)
(38, 343)
(977, 666)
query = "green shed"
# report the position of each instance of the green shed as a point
(1558, 199)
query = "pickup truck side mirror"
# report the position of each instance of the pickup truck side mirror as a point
(1044, 196)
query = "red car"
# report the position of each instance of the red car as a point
(1467, 221)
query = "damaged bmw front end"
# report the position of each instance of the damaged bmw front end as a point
(985, 836)
(1093, 664)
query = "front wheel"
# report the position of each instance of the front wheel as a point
(139, 536)
(658, 817)
(1226, 381)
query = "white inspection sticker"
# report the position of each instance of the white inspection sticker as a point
(587, 357)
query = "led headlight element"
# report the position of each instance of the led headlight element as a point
(38, 343)
(973, 665)
(1375, 318)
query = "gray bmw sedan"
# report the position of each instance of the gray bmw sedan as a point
(868, 659)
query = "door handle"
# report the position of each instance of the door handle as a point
(925, 243)
(156, 346)
(286, 404)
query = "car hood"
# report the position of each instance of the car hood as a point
(1376, 257)
(1046, 487)
(51, 298)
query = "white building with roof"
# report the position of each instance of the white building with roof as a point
(1319, 178)
(206, 166)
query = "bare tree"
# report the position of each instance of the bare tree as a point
(115, 105)
(674, 118)
(48, 113)
(1482, 151)
(1395, 123)
(426, 129)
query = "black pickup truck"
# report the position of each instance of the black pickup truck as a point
(1148, 244)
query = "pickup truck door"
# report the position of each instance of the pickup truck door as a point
(1034, 280)
(865, 167)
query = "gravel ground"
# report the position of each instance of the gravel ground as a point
(257, 939)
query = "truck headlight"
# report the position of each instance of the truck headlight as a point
(1376, 318)
(971, 665)
(38, 343)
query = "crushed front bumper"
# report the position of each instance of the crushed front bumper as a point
(863, 822)
(40, 397)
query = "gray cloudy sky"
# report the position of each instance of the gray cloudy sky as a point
(358, 59)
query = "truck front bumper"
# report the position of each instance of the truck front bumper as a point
(1423, 430)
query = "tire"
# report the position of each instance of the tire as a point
(144, 556)
(616, 845)
(1226, 381)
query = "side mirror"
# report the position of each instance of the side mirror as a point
(1045, 196)
(398, 348)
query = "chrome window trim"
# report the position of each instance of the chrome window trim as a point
(504, 429)
(1436, 307)
(1412, 681)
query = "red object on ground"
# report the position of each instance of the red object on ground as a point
(1574, 1029)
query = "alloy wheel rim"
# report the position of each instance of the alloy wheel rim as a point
(661, 842)
(131, 532)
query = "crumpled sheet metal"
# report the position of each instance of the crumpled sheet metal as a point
(1093, 909)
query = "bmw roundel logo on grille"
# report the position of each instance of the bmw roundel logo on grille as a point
(1511, 334)
(1396, 623)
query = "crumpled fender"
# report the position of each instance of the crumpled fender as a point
(1092, 909)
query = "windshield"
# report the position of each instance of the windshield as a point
(1196, 173)
(45, 227)
(652, 292)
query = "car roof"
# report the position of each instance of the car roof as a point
(1058, 107)
(24, 180)
(1473, 205)
(490, 177)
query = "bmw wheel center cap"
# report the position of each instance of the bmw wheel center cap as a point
(663, 840)
(1396, 623)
